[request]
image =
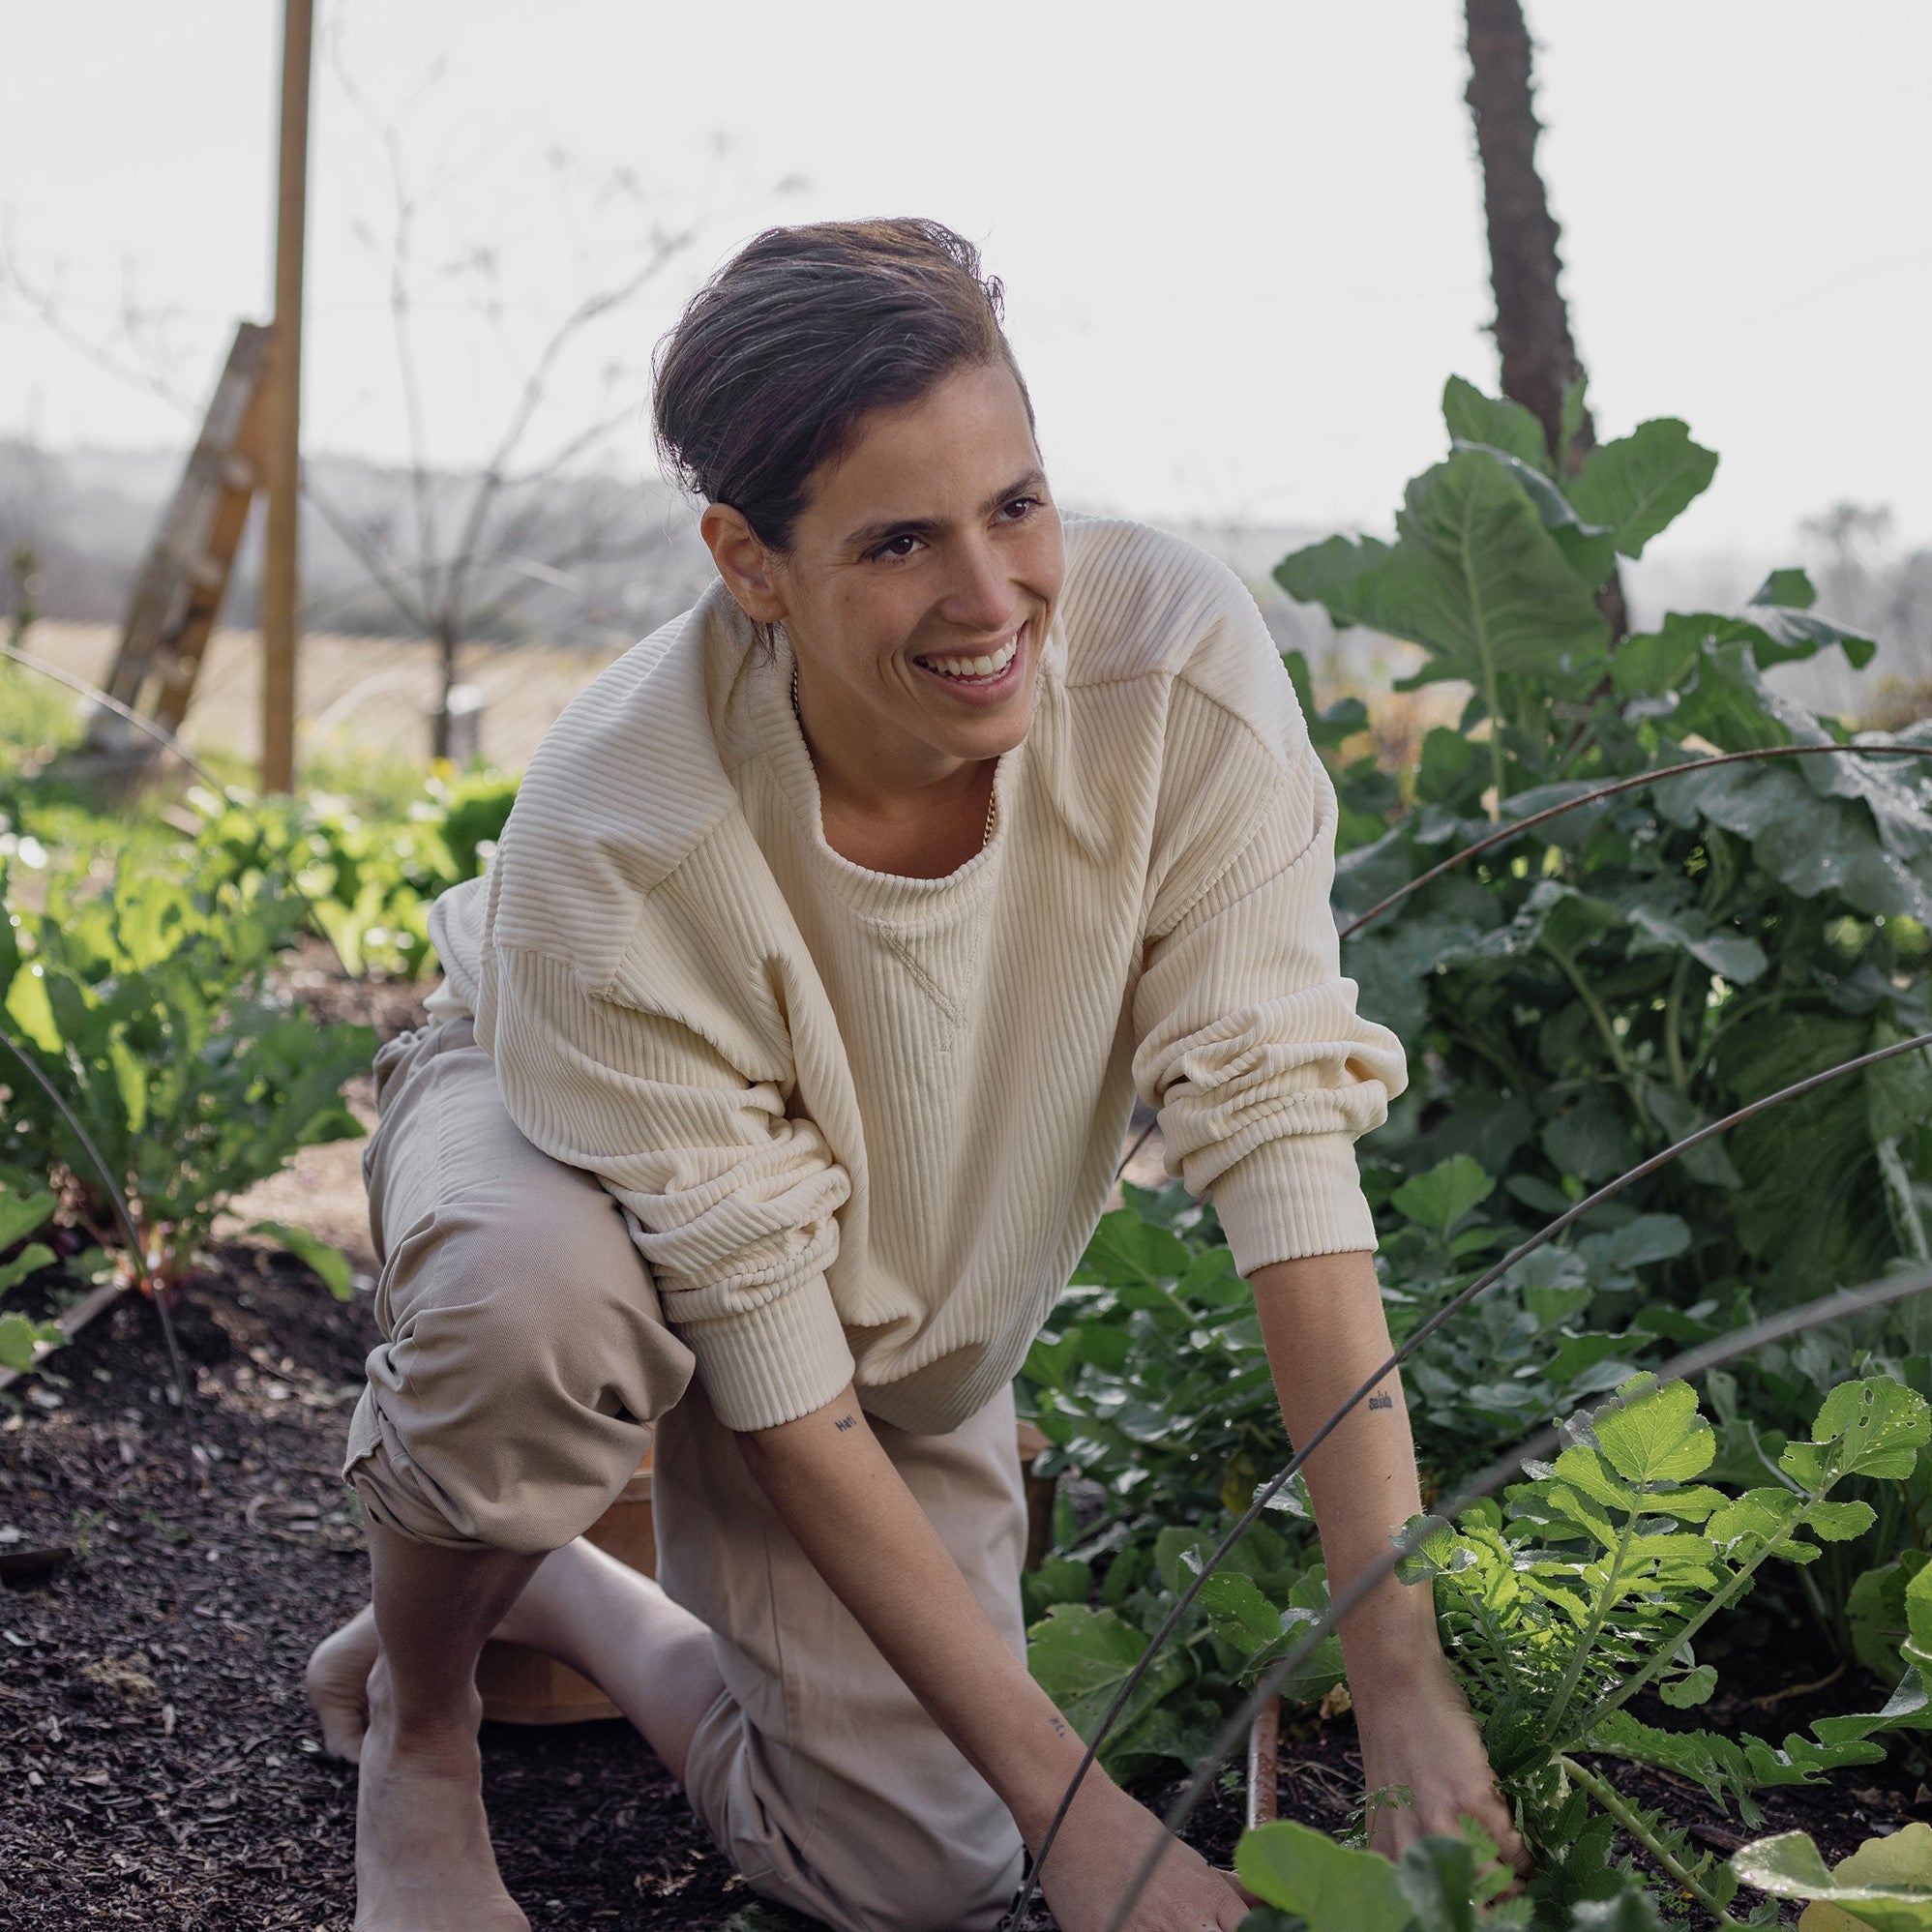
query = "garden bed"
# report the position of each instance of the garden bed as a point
(163, 1768)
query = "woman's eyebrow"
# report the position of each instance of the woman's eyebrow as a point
(868, 534)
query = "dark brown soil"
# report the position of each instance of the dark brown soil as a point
(160, 1765)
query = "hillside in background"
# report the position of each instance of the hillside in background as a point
(88, 516)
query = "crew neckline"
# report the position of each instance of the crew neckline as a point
(785, 742)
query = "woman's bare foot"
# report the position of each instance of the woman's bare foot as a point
(337, 1684)
(423, 1861)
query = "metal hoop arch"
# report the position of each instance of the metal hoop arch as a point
(1454, 1306)
(1834, 1307)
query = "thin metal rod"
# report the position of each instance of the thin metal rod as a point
(128, 1228)
(1267, 1493)
(1505, 834)
(1838, 1307)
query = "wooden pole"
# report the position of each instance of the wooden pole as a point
(280, 568)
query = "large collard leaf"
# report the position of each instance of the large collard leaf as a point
(1080, 1657)
(1472, 417)
(1473, 577)
(1781, 609)
(1809, 843)
(1335, 1889)
(1640, 483)
(1811, 1208)
(1886, 1886)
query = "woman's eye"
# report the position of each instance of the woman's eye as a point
(892, 546)
(1024, 505)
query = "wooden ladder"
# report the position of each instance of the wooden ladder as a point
(188, 566)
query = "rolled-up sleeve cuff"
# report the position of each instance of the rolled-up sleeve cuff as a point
(1300, 1195)
(774, 1362)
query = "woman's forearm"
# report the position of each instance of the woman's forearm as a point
(864, 1531)
(1322, 1319)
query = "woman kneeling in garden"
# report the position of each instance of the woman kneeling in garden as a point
(773, 1091)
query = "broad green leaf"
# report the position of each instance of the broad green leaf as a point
(1640, 483)
(1839, 1522)
(1335, 573)
(1472, 417)
(1657, 1436)
(1733, 956)
(31, 1258)
(1875, 1611)
(1439, 1199)
(22, 1214)
(1335, 1889)
(20, 1338)
(1693, 1688)
(1127, 1249)
(1476, 580)
(1589, 549)
(1886, 1884)
(1789, 589)
(1877, 1425)
(1241, 1616)
(1057, 1579)
(31, 1010)
(1080, 1657)
(330, 1262)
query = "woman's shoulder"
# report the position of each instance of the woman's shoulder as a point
(1141, 603)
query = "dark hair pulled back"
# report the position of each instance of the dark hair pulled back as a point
(805, 332)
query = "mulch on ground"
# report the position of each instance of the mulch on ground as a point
(162, 1769)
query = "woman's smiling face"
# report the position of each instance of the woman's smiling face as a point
(919, 583)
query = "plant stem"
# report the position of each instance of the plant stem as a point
(1667, 1647)
(1599, 1616)
(1602, 1018)
(1673, 1025)
(1606, 1795)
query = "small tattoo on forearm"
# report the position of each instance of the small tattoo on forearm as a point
(846, 1422)
(1375, 1401)
(1060, 1725)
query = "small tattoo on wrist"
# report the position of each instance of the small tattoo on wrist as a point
(846, 1422)
(1375, 1401)
(1060, 1725)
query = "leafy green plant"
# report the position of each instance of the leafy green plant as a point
(1439, 1883)
(1884, 1886)
(370, 877)
(24, 1210)
(1591, 1583)
(146, 1005)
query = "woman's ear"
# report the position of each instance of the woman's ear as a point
(743, 563)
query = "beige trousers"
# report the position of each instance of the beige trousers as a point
(523, 1365)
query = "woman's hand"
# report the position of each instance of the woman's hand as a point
(1417, 1732)
(1100, 1850)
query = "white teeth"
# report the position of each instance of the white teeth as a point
(979, 667)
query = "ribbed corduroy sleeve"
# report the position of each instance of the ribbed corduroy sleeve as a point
(735, 1201)
(1249, 1044)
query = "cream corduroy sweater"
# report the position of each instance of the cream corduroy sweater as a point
(864, 1126)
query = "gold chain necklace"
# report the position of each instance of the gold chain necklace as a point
(993, 797)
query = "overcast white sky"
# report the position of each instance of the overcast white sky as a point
(1241, 239)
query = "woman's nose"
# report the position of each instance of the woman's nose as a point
(981, 595)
